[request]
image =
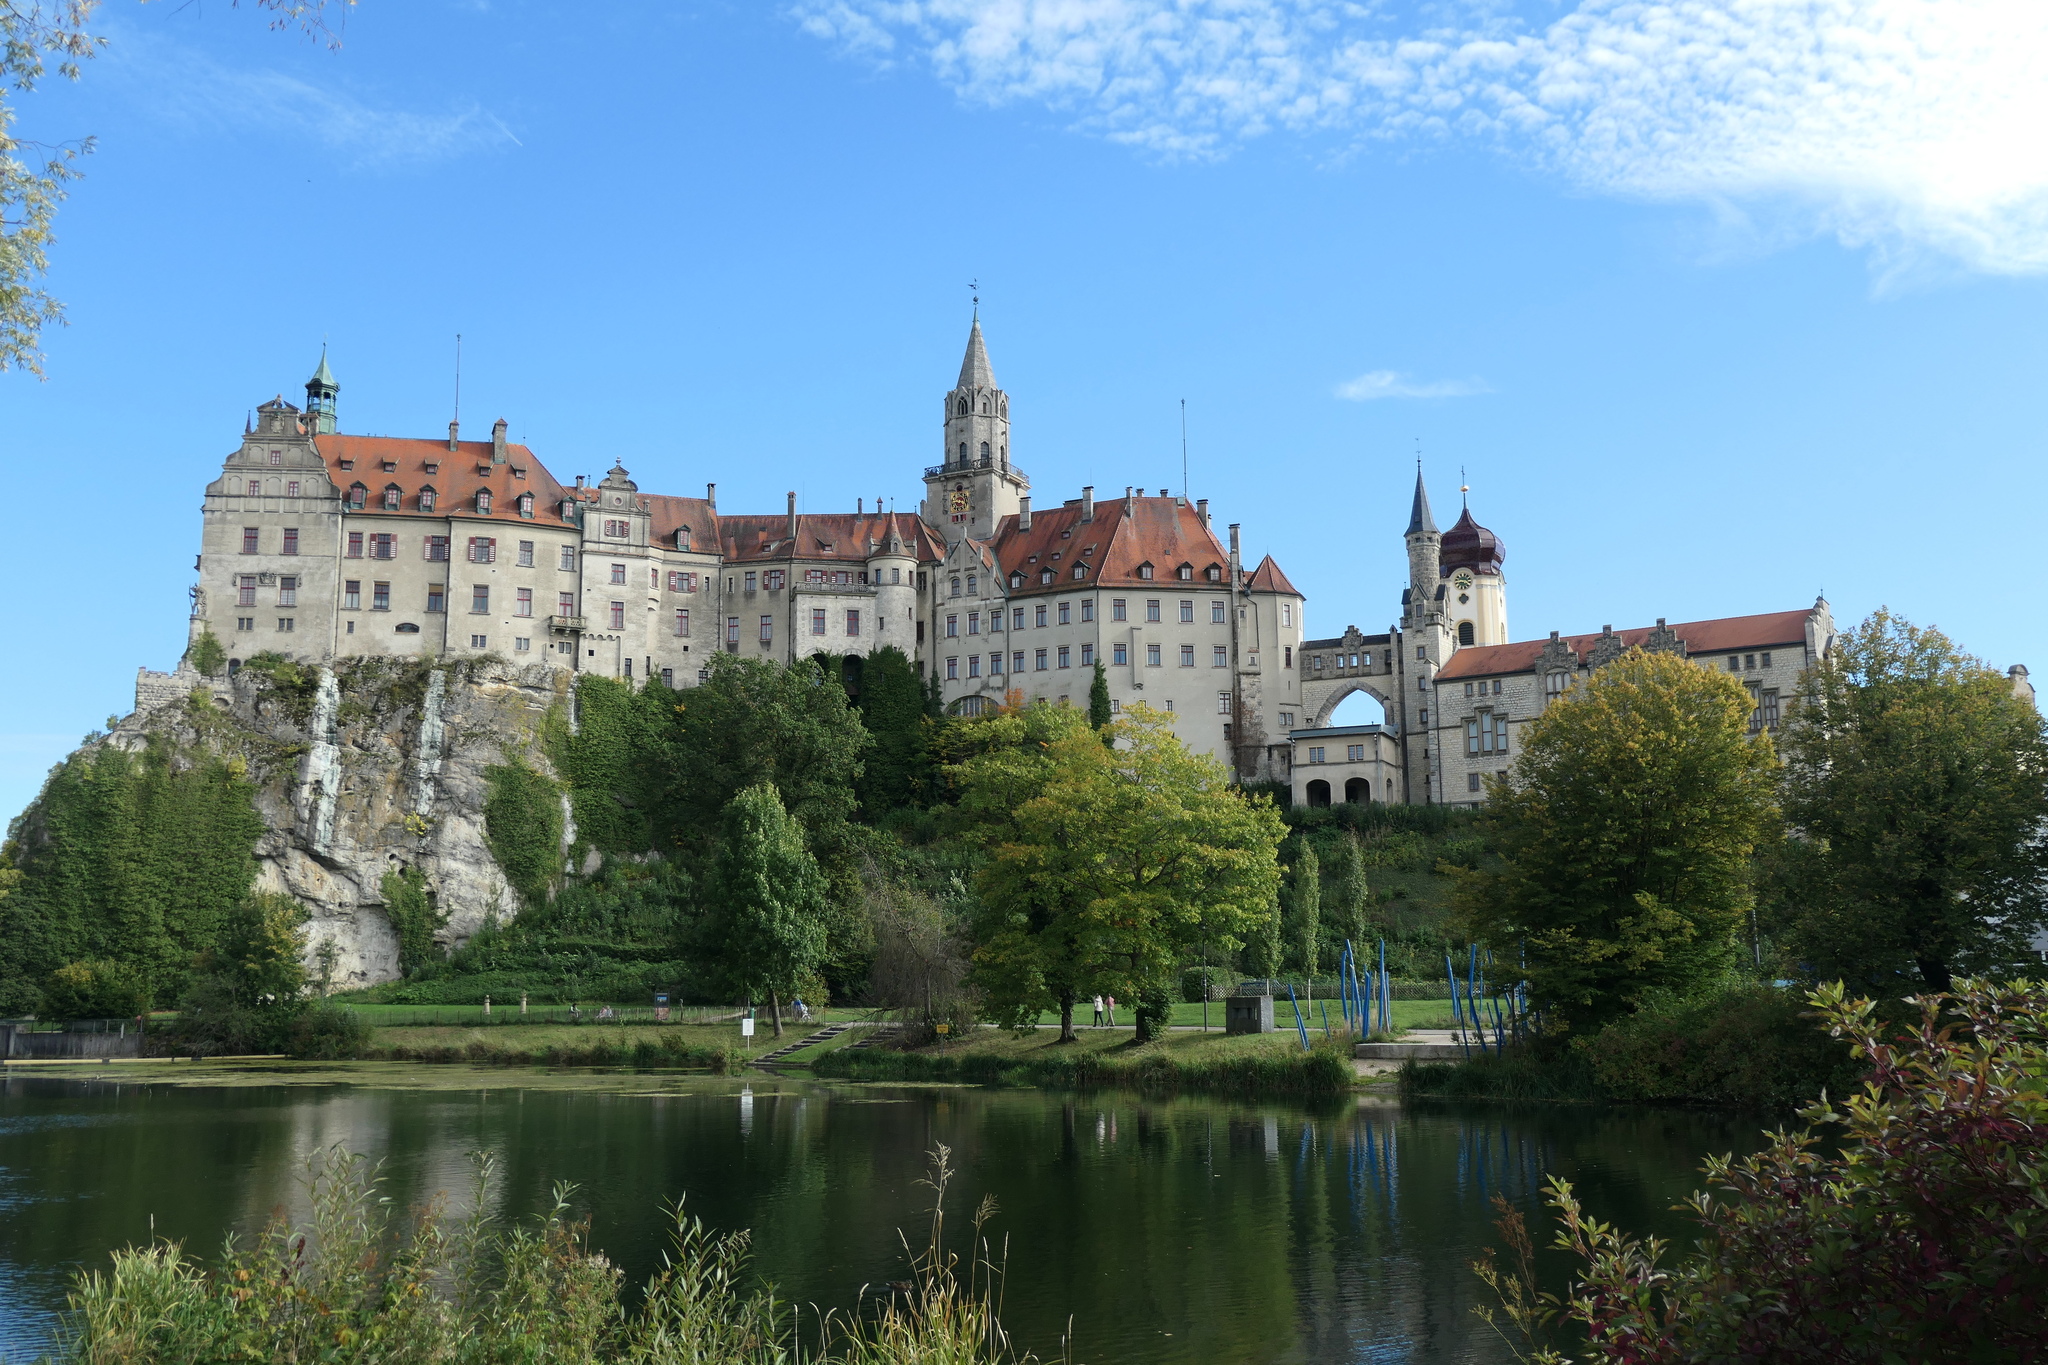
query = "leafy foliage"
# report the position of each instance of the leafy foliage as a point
(1919, 786)
(523, 825)
(1099, 713)
(1106, 863)
(246, 993)
(894, 708)
(1304, 927)
(102, 989)
(1918, 1236)
(768, 929)
(208, 654)
(1627, 827)
(126, 858)
(611, 761)
(409, 907)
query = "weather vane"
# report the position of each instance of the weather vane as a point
(1463, 487)
(974, 287)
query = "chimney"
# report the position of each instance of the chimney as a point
(1024, 513)
(1088, 502)
(711, 495)
(498, 441)
(1202, 510)
(1127, 499)
(1165, 492)
(860, 506)
(579, 481)
(792, 514)
(1236, 563)
(454, 433)
(1553, 635)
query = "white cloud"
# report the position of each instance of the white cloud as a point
(1391, 384)
(1903, 125)
(182, 84)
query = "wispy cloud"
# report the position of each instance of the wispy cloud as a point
(1903, 125)
(184, 85)
(1392, 384)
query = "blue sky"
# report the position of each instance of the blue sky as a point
(1719, 303)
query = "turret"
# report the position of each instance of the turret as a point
(974, 486)
(1424, 546)
(321, 391)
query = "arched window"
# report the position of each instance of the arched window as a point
(427, 498)
(1465, 636)
(391, 497)
(984, 450)
(1553, 686)
(1318, 790)
(483, 501)
(984, 407)
(973, 586)
(963, 452)
(1358, 792)
(961, 410)
(956, 581)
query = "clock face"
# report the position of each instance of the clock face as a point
(956, 501)
(1463, 580)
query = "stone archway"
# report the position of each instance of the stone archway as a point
(1326, 697)
(1318, 793)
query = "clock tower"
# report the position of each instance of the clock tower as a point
(974, 486)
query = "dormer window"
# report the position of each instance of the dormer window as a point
(1081, 571)
(427, 498)
(483, 502)
(351, 464)
(433, 466)
(391, 497)
(1144, 571)
(518, 471)
(1016, 580)
(391, 466)
(682, 538)
(526, 504)
(1045, 575)
(357, 496)
(1214, 573)
(1185, 572)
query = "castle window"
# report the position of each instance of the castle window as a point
(1151, 656)
(1286, 718)
(617, 530)
(285, 623)
(767, 630)
(1553, 686)
(380, 597)
(954, 585)
(1766, 660)
(523, 604)
(1087, 656)
(1080, 571)
(1045, 575)
(1315, 754)
(1016, 580)
(1017, 661)
(963, 452)
(384, 546)
(984, 452)
(995, 662)
(1144, 571)
(1065, 657)
(427, 498)
(682, 620)
(436, 548)
(1287, 613)
(1734, 663)
(1749, 661)
(1039, 659)
(1214, 573)
(1318, 665)
(974, 623)
(352, 595)
(483, 502)
(853, 622)
(484, 642)
(974, 667)
(1117, 608)
(287, 592)
(973, 589)
(1471, 782)
(952, 627)
(1017, 618)
(569, 559)
(255, 488)
(484, 550)
(249, 540)
(984, 412)
(277, 457)
(565, 605)
(1770, 708)
(479, 599)
(291, 488)
(245, 590)
(618, 616)
(619, 576)
(952, 667)
(1355, 753)
(1187, 613)
(1468, 689)
(1219, 656)
(1152, 609)
(391, 497)
(355, 544)
(1087, 609)
(682, 538)
(291, 541)
(1465, 636)
(357, 496)
(1187, 656)
(525, 554)
(1038, 616)
(437, 597)
(1216, 612)
(960, 410)
(1066, 613)
(1119, 655)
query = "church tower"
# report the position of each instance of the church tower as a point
(975, 486)
(1470, 560)
(321, 391)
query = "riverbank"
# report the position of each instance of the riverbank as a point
(1212, 1063)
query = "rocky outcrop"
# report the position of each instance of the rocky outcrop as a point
(366, 767)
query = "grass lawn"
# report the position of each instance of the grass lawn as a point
(395, 1016)
(533, 1037)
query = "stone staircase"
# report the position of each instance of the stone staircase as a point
(823, 1035)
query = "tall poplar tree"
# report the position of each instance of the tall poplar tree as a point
(768, 930)
(1305, 910)
(1099, 713)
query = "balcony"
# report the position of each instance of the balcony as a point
(563, 625)
(963, 466)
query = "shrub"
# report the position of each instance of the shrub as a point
(1916, 1234)
(1755, 1047)
(97, 989)
(328, 1032)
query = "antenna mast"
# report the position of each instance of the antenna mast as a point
(458, 376)
(1183, 450)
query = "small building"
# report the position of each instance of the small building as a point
(1353, 764)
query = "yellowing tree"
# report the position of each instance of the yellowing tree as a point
(1106, 863)
(1626, 828)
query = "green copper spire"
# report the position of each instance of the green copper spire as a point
(320, 394)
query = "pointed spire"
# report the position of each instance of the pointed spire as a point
(323, 375)
(1419, 519)
(974, 367)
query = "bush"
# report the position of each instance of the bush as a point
(328, 1032)
(98, 989)
(1915, 1235)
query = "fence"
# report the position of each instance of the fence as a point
(1326, 988)
(80, 1039)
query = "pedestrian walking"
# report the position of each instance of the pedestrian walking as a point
(1098, 1011)
(1109, 1002)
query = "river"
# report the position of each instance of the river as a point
(1168, 1230)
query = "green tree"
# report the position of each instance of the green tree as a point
(1106, 864)
(248, 990)
(897, 771)
(208, 654)
(1918, 786)
(1350, 895)
(1264, 947)
(1099, 713)
(1627, 828)
(1304, 928)
(523, 825)
(768, 929)
(409, 909)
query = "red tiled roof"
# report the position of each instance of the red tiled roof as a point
(1700, 637)
(455, 479)
(1269, 578)
(1158, 531)
(669, 514)
(823, 535)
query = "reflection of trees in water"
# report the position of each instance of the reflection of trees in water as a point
(1249, 1233)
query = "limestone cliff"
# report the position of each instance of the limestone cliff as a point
(361, 768)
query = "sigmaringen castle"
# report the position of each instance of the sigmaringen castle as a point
(318, 545)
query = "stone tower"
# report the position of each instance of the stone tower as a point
(975, 486)
(1425, 544)
(1476, 600)
(321, 391)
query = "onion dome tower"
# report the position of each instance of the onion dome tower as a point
(1475, 601)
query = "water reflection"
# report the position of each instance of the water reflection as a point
(1173, 1230)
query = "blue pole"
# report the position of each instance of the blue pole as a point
(1326, 1018)
(1300, 1027)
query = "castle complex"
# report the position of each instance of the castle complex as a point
(317, 544)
